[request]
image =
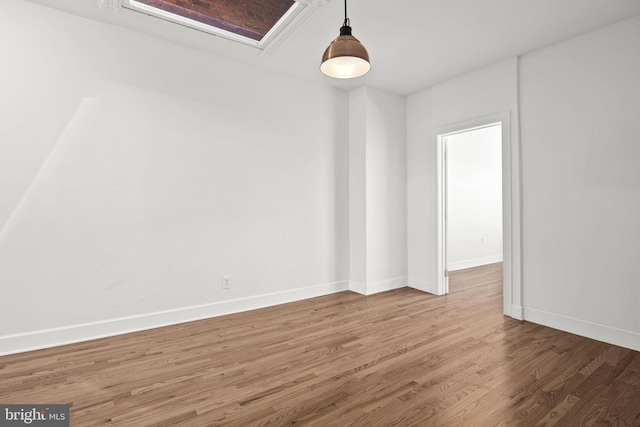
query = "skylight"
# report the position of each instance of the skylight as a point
(253, 22)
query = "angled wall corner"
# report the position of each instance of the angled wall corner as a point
(377, 191)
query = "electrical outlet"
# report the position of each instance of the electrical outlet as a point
(226, 282)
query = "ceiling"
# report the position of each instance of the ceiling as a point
(413, 44)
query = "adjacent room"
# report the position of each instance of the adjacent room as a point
(320, 212)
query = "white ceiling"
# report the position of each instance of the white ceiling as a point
(413, 44)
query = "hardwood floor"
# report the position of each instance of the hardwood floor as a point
(401, 358)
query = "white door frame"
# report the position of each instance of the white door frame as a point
(511, 209)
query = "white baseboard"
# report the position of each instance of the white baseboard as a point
(358, 287)
(608, 334)
(477, 262)
(374, 288)
(517, 312)
(387, 285)
(36, 340)
(421, 285)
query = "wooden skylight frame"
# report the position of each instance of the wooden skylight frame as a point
(293, 15)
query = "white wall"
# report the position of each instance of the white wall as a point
(386, 188)
(135, 172)
(130, 182)
(580, 105)
(474, 198)
(421, 212)
(358, 189)
(577, 104)
(378, 191)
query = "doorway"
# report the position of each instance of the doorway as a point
(511, 208)
(472, 186)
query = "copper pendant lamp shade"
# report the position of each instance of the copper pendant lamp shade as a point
(346, 57)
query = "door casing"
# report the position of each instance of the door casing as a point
(511, 209)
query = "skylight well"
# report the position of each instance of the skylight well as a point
(252, 22)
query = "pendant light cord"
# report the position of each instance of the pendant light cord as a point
(346, 20)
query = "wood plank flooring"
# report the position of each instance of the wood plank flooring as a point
(401, 358)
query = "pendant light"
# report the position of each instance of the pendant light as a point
(346, 57)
